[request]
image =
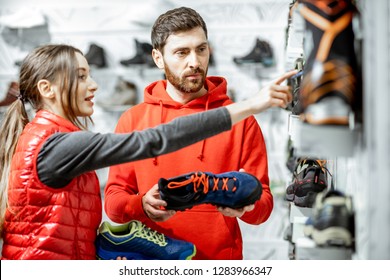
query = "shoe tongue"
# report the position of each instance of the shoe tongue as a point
(134, 226)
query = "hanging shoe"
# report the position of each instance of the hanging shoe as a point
(261, 53)
(295, 84)
(309, 179)
(331, 80)
(12, 94)
(96, 56)
(143, 55)
(135, 241)
(230, 189)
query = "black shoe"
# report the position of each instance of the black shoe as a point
(295, 84)
(309, 179)
(230, 189)
(261, 53)
(333, 220)
(96, 56)
(143, 55)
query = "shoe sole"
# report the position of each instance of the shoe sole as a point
(305, 201)
(102, 254)
(332, 236)
(290, 197)
(308, 199)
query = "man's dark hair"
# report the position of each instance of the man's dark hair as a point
(173, 21)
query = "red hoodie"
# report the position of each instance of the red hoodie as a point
(215, 236)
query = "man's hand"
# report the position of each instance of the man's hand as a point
(154, 206)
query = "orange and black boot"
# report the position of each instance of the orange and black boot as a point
(331, 85)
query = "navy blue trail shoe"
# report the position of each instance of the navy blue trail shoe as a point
(230, 189)
(135, 241)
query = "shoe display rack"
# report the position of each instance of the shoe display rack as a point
(303, 247)
(323, 141)
(112, 35)
(324, 126)
(306, 249)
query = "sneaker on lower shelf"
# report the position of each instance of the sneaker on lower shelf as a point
(135, 241)
(333, 221)
(230, 189)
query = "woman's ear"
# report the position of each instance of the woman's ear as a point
(45, 89)
(158, 58)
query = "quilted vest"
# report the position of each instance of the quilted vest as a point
(43, 222)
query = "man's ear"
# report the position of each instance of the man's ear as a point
(45, 89)
(158, 58)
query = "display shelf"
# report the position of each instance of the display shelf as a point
(297, 214)
(306, 249)
(298, 217)
(322, 140)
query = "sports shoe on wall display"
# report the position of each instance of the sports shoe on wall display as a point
(143, 55)
(333, 220)
(294, 82)
(331, 79)
(135, 241)
(260, 53)
(96, 56)
(309, 179)
(230, 189)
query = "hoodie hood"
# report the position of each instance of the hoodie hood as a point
(215, 97)
(155, 93)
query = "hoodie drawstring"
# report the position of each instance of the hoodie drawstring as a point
(201, 156)
(155, 162)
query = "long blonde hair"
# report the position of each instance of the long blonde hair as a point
(55, 63)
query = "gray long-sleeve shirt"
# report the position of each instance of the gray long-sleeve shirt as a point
(67, 155)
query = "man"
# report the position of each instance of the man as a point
(180, 47)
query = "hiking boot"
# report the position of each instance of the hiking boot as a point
(143, 55)
(261, 53)
(230, 189)
(96, 56)
(309, 179)
(333, 221)
(331, 85)
(135, 241)
(294, 82)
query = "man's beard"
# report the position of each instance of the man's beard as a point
(183, 84)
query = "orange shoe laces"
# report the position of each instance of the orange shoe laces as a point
(202, 179)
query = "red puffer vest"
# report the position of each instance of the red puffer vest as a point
(43, 222)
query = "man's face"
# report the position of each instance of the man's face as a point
(186, 59)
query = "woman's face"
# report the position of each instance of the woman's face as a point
(86, 88)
